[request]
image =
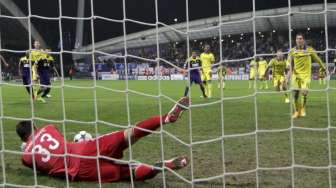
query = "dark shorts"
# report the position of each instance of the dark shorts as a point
(44, 77)
(195, 78)
(26, 79)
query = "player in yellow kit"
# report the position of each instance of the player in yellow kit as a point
(253, 69)
(36, 55)
(299, 63)
(278, 65)
(322, 76)
(221, 73)
(207, 59)
(262, 66)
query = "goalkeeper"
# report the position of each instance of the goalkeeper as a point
(49, 147)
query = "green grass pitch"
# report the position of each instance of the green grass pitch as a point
(239, 116)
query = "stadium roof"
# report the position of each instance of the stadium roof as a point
(312, 16)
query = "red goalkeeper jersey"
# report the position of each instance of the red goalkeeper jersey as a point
(48, 142)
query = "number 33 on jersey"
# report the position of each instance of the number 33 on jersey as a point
(48, 141)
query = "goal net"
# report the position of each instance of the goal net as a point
(241, 137)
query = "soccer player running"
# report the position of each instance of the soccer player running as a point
(221, 72)
(36, 55)
(44, 68)
(46, 148)
(194, 62)
(262, 66)
(278, 65)
(25, 72)
(207, 59)
(253, 70)
(299, 63)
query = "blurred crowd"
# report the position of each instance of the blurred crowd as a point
(238, 47)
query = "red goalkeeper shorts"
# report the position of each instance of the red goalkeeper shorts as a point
(110, 145)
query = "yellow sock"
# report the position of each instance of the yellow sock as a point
(35, 90)
(209, 89)
(320, 81)
(266, 84)
(206, 89)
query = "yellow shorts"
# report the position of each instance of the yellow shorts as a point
(206, 75)
(278, 80)
(35, 76)
(252, 75)
(300, 82)
(261, 74)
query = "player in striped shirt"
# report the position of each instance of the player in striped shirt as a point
(278, 65)
(262, 66)
(299, 63)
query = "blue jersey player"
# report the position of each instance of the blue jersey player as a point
(193, 65)
(25, 72)
(44, 67)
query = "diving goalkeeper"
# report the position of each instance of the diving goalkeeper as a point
(49, 150)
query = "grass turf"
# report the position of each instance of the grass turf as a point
(239, 117)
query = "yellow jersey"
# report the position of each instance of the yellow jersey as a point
(301, 61)
(221, 72)
(262, 65)
(253, 65)
(37, 55)
(278, 67)
(207, 60)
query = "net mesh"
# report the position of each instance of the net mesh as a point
(192, 180)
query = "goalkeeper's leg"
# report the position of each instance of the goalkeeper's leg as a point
(113, 171)
(145, 127)
(143, 171)
(113, 144)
